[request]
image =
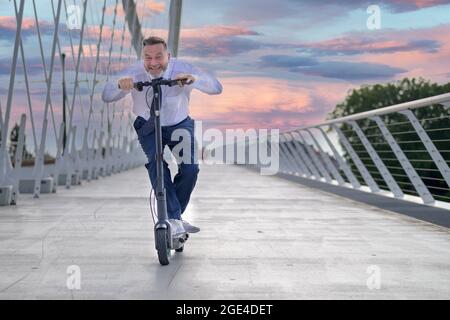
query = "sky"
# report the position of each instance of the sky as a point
(288, 63)
(283, 64)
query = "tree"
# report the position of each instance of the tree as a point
(434, 119)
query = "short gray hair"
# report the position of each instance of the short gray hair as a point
(154, 40)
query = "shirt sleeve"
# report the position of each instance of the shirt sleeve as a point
(204, 81)
(111, 91)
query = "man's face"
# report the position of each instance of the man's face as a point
(156, 59)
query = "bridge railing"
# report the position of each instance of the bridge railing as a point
(401, 151)
(48, 138)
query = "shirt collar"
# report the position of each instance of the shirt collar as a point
(167, 74)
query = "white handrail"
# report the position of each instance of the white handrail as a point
(390, 109)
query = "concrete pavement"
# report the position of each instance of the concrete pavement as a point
(262, 238)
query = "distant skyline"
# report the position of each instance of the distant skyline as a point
(283, 64)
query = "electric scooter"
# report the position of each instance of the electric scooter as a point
(164, 241)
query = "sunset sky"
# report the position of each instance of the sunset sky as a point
(287, 63)
(283, 63)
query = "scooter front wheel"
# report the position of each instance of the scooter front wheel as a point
(162, 246)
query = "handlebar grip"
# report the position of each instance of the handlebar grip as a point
(172, 82)
(138, 86)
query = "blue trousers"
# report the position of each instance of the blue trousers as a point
(178, 191)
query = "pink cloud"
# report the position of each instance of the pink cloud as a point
(217, 40)
(145, 9)
(422, 52)
(433, 65)
(9, 22)
(360, 43)
(350, 44)
(419, 4)
(212, 40)
(8, 26)
(205, 32)
(262, 102)
(217, 31)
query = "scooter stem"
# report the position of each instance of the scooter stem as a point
(160, 190)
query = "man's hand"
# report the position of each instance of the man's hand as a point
(184, 79)
(125, 83)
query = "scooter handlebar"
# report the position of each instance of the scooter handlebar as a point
(163, 82)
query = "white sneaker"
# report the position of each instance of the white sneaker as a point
(189, 227)
(177, 227)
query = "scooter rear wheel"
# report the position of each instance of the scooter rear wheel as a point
(180, 249)
(162, 246)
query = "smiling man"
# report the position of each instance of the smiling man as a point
(156, 63)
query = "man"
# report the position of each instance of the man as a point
(156, 63)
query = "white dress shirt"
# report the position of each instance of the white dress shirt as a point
(175, 99)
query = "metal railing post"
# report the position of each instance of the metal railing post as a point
(387, 176)
(357, 161)
(429, 145)
(342, 164)
(417, 182)
(326, 160)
